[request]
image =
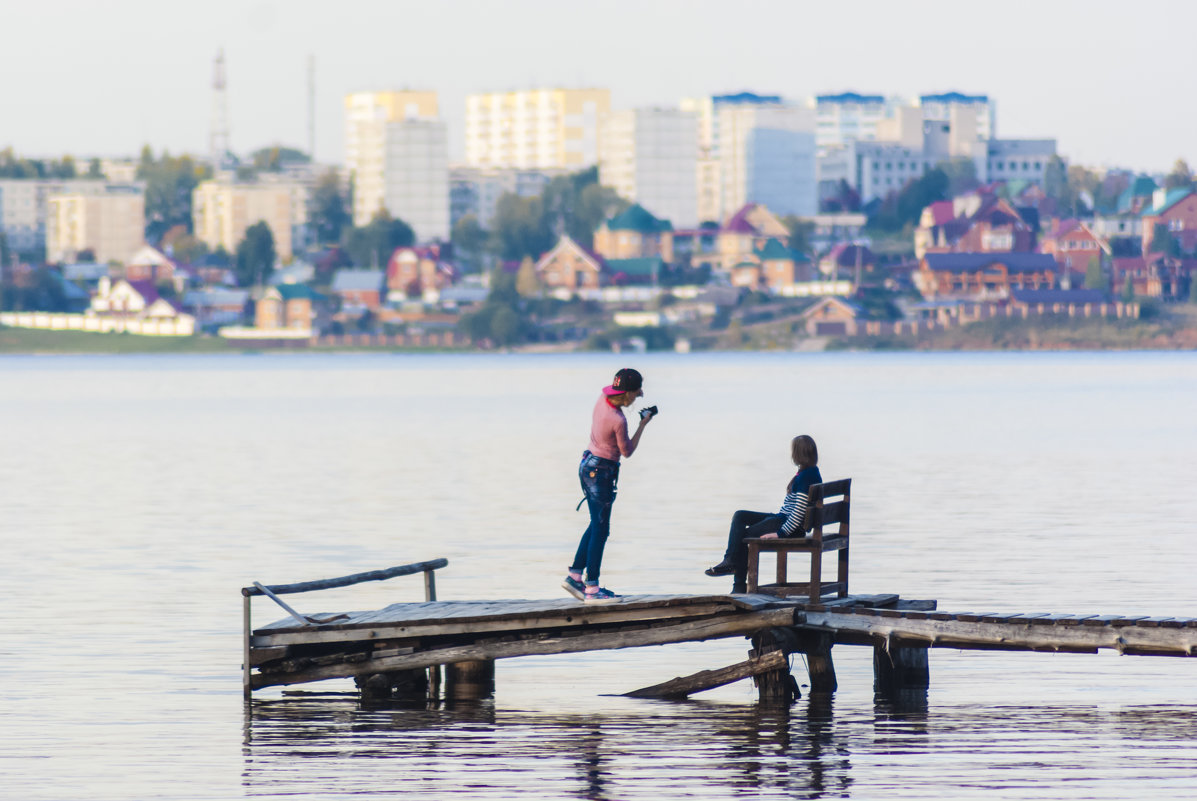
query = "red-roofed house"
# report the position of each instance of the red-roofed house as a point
(1176, 211)
(1074, 245)
(413, 271)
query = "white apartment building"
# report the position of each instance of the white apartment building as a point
(24, 206)
(110, 223)
(476, 190)
(850, 117)
(941, 107)
(367, 115)
(536, 128)
(766, 155)
(415, 176)
(222, 210)
(650, 156)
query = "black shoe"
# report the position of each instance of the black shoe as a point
(724, 568)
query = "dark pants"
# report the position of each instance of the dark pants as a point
(747, 524)
(599, 477)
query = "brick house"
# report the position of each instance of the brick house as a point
(359, 290)
(571, 267)
(833, 316)
(285, 306)
(412, 271)
(980, 275)
(1175, 210)
(979, 222)
(1074, 245)
(150, 264)
(634, 233)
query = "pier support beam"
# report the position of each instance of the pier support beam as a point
(469, 680)
(774, 687)
(817, 647)
(403, 685)
(900, 665)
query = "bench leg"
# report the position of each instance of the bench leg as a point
(816, 576)
(781, 568)
(754, 558)
(843, 573)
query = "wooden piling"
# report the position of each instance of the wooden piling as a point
(469, 680)
(898, 666)
(817, 647)
(774, 687)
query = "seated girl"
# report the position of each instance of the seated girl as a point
(767, 525)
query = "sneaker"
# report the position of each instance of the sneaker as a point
(574, 588)
(603, 596)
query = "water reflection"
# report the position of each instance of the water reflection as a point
(474, 750)
(332, 745)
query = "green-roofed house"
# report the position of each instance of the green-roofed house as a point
(634, 233)
(644, 271)
(285, 306)
(781, 266)
(1176, 211)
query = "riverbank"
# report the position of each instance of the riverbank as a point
(1166, 328)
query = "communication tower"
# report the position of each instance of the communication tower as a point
(218, 138)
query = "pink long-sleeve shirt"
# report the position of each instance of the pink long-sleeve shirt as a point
(609, 432)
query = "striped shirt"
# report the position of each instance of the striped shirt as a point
(794, 506)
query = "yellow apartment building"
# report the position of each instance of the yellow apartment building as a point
(223, 210)
(535, 128)
(110, 224)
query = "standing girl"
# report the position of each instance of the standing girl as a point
(599, 473)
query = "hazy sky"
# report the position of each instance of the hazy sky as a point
(1114, 81)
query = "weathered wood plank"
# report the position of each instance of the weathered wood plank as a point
(453, 625)
(1013, 635)
(710, 679)
(345, 581)
(691, 631)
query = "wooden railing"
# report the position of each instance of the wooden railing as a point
(272, 592)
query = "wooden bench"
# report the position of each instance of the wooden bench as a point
(828, 507)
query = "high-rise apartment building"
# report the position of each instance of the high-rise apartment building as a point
(849, 117)
(981, 110)
(110, 223)
(536, 128)
(222, 210)
(650, 156)
(416, 177)
(766, 155)
(25, 203)
(367, 118)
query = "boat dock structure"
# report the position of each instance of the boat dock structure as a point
(400, 651)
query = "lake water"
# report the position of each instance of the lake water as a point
(140, 493)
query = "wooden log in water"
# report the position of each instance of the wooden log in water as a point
(469, 680)
(710, 679)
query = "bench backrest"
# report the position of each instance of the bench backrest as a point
(828, 507)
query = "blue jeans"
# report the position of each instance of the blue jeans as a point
(747, 524)
(598, 477)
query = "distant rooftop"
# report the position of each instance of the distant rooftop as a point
(953, 97)
(849, 97)
(745, 97)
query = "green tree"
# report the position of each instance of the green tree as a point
(1192, 289)
(329, 209)
(801, 232)
(1181, 176)
(527, 282)
(169, 181)
(274, 158)
(577, 204)
(372, 244)
(520, 228)
(188, 249)
(1128, 290)
(903, 208)
(1162, 241)
(255, 255)
(962, 176)
(1095, 277)
(94, 170)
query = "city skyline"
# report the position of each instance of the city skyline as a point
(1095, 76)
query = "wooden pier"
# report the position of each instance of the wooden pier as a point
(399, 650)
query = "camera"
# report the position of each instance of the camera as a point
(649, 411)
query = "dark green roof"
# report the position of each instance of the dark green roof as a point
(774, 249)
(643, 266)
(637, 218)
(296, 291)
